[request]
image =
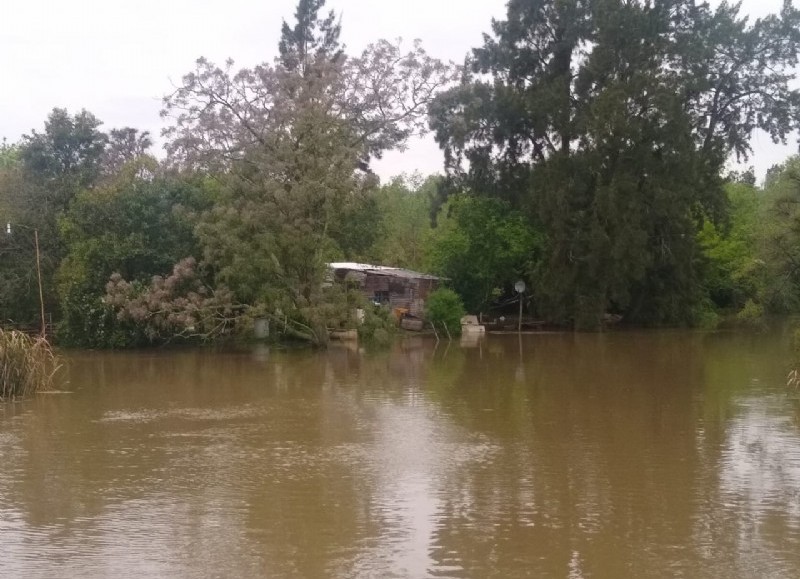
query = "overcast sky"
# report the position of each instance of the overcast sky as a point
(117, 58)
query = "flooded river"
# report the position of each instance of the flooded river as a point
(641, 455)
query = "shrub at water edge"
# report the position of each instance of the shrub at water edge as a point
(27, 365)
(444, 307)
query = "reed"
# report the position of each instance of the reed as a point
(793, 379)
(27, 365)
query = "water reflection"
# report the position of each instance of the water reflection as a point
(753, 529)
(621, 455)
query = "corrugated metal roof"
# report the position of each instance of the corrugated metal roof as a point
(381, 270)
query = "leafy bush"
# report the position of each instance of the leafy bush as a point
(444, 307)
(752, 315)
(378, 326)
(704, 315)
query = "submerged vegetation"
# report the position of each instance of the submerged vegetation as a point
(587, 162)
(445, 309)
(27, 365)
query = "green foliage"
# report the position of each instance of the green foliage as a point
(751, 315)
(751, 263)
(310, 37)
(705, 316)
(615, 143)
(734, 272)
(444, 307)
(9, 155)
(286, 147)
(130, 226)
(379, 325)
(19, 298)
(124, 147)
(39, 179)
(584, 161)
(483, 247)
(48, 170)
(403, 208)
(780, 238)
(66, 157)
(271, 246)
(291, 143)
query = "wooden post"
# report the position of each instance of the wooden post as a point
(39, 276)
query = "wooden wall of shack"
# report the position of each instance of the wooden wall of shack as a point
(401, 291)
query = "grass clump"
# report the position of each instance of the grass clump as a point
(27, 365)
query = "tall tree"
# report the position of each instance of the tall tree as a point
(404, 208)
(615, 142)
(65, 158)
(40, 179)
(311, 37)
(8, 155)
(292, 143)
(125, 145)
(17, 257)
(51, 168)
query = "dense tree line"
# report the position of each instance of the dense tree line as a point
(585, 147)
(609, 125)
(267, 179)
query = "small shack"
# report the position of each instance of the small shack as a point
(398, 288)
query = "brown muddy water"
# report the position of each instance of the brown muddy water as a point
(641, 455)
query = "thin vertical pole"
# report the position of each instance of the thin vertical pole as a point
(39, 275)
(519, 322)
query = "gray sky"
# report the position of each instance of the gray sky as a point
(117, 58)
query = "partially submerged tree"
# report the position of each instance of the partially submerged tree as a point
(175, 306)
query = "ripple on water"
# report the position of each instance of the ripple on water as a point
(199, 414)
(370, 475)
